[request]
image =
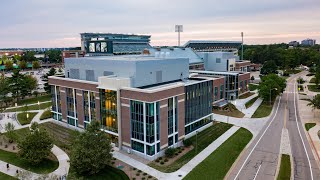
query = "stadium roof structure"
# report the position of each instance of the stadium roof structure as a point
(234, 43)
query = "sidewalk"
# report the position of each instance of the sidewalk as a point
(184, 170)
(241, 105)
(313, 132)
(28, 105)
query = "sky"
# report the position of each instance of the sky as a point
(58, 23)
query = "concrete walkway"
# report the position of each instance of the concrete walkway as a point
(315, 141)
(184, 170)
(62, 170)
(27, 104)
(240, 104)
(254, 125)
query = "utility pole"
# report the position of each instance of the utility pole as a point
(242, 46)
(179, 28)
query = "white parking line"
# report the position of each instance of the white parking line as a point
(258, 140)
(257, 172)
(295, 113)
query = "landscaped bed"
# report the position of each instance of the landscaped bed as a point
(313, 80)
(251, 102)
(46, 114)
(285, 168)
(108, 173)
(6, 177)
(229, 110)
(218, 163)
(22, 117)
(253, 87)
(246, 95)
(34, 100)
(204, 139)
(263, 110)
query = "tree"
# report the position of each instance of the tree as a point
(269, 67)
(35, 65)
(270, 86)
(28, 84)
(317, 74)
(9, 65)
(51, 72)
(28, 56)
(36, 146)
(54, 56)
(315, 102)
(23, 64)
(4, 91)
(9, 128)
(90, 151)
(22, 85)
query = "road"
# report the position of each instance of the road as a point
(260, 160)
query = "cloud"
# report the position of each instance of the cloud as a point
(41, 23)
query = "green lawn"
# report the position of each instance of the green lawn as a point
(6, 177)
(34, 100)
(61, 136)
(205, 138)
(22, 117)
(29, 108)
(250, 103)
(253, 87)
(263, 110)
(248, 94)
(45, 167)
(314, 88)
(313, 80)
(46, 114)
(108, 173)
(309, 125)
(218, 163)
(285, 168)
(229, 110)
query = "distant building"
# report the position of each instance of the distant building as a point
(213, 46)
(308, 42)
(294, 43)
(71, 53)
(96, 44)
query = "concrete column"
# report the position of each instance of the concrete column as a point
(155, 125)
(144, 128)
(119, 118)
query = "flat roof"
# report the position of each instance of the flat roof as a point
(212, 42)
(186, 82)
(127, 58)
(217, 72)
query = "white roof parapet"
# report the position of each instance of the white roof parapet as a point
(113, 82)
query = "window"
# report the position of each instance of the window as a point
(137, 131)
(215, 93)
(221, 91)
(137, 146)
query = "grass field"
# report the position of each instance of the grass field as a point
(34, 100)
(218, 163)
(6, 177)
(253, 87)
(45, 167)
(248, 94)
(46, 114)
(309, 125)
(108, 173)
(205, 138)
(61, 136)
(22, 117)
(29, 108)
(313, 80)
(285, 168)
(229, 110)
(263, 110)
(250, 103)
(314, 88)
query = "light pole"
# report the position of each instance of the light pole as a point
(27, 116)
(242, 46)
(270, 93)
(39, 105)
(178, 29)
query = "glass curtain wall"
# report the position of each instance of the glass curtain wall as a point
(109, 116)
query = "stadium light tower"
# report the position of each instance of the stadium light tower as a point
(242, 46)
(179, 28)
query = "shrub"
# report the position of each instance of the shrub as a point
(187, 142)
(176, 154)
(138, 174)
(161, 162)
(157, 160)
(133, 178)
(170, 152)
(145, 174)
(149, 176)
(160, 158)
(180, 151)
(134, 168)
(113, 162)
(166, 160)
(6, 146)
(143, 178)
(114, 159)
(139, 171)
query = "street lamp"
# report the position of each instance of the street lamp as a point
(39, 105)
(270, 93)
(27, 116)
